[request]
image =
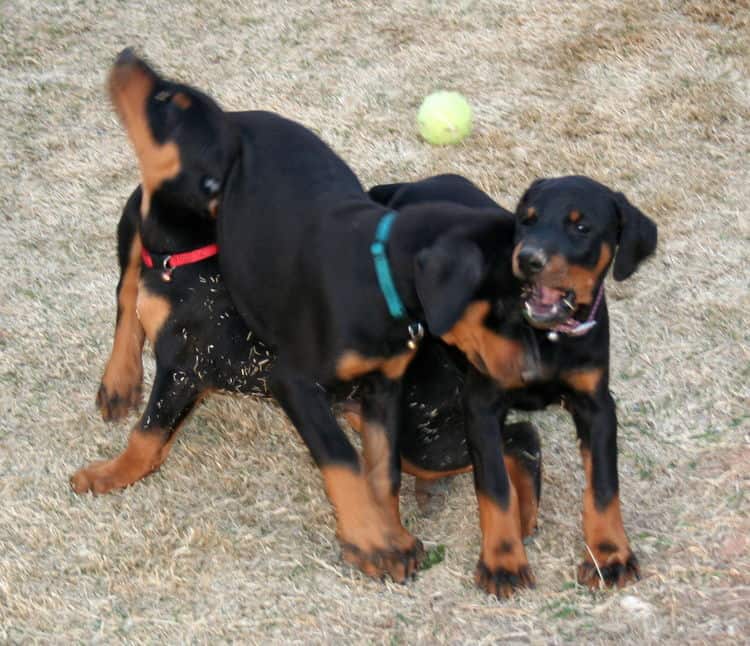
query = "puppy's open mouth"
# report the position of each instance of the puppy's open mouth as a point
(545, 307)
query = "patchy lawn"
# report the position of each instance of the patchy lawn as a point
(233, 538)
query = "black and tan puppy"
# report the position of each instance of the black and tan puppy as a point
(334, 282)
(170, 291)
(547, 342)
(203, 345)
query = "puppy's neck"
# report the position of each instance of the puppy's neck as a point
(172, 228)
(420, 226)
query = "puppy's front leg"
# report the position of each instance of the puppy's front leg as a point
(369, 536)
(120, 388)
(609, 559)
(503, 566)
(381, 423)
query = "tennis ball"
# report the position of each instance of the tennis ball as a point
(444, 118)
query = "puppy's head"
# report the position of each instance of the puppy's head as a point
(569, 231)
(180, 136)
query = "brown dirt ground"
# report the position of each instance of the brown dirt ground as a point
(233, 538)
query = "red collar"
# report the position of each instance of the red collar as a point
(169, 262)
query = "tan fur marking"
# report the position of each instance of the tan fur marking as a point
(583, 280)
(146, 451)
(501, 534)
(574, 216)
(426, 474)
(602, 526)
(584, 381)
(213, 207)
(514, 261)
(354, 420)
(182, 100)
(523, 483)
(395, 367)
(359, 521)
(362, 523)
(130, 88)
(490, 353)
(124, 372)
(153, 311)
(352, 364)
(377, 456)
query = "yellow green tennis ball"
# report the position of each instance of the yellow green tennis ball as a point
(444, 118)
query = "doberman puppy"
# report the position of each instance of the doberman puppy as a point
(549, 343)
(335, 283)
(204, 345)
(175, 297)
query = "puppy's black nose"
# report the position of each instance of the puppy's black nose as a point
(531, 260)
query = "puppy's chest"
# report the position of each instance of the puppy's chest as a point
(538, 372)
(518, 359)
(541, 361)
(508, 350)
(210, 341)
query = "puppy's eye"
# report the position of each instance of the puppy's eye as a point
(210, 185)
(529, 217)
(582, 228)
(162, 96)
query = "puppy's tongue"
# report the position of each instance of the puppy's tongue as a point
(548, 295)
(545, 307)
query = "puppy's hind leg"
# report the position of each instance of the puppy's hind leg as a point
(120, 388)
(361, 495)
(173, 397)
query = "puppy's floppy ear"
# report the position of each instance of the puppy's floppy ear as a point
(637, 239)
(446, 276)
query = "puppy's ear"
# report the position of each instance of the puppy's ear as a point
(637, 239)
(446, 276)
(384, 193)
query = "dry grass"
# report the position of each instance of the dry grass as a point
(233, 539)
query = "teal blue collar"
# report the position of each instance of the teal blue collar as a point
(382, 268)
